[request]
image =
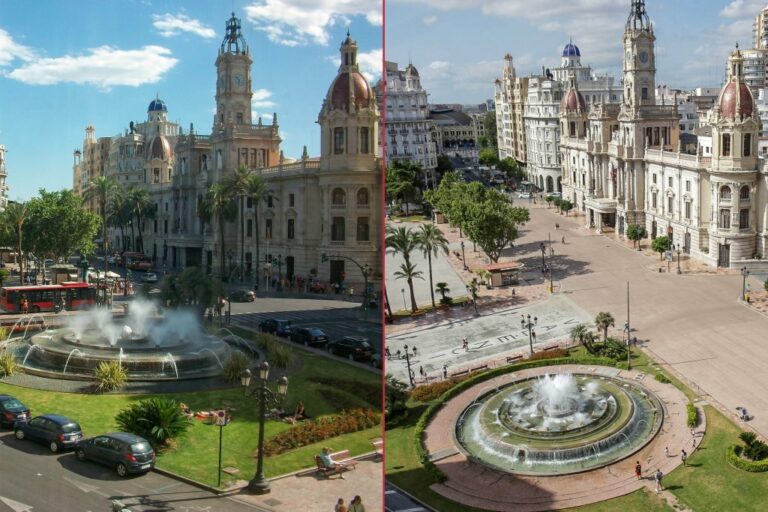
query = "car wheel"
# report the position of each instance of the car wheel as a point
(54, 447)
(80, 454)
(121, 470)
(19, 434)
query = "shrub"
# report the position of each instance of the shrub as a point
(234, 366)
(158, 420)
(8, 364)
(446, 301)
(369, 392)
(429, 392)
(278, 354)
(110, 375)
(395, 399)
(748, 437)
(662, 378)
(613, 348)
(325, 427)
(693, 415)
(757, 451)
(548, 354)
(732, 455)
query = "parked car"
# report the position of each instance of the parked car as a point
(355, 349)
(11, 411)
(276, 326)
(309, 336)
(53, 430)
(524, 195)
(126, 453)
(556, 194)
(242, 296)
(150, 277)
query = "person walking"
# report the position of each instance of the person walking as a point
(638, 470)
(557, 226)
(693, 443)
(387, 353)
(340, 507)
(683, 457)
(445, 371)
(356, 505)
(657, 477)
(666, 451)
(563, 239)
(422, 372)
(465, 344)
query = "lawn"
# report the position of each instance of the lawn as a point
(196, 454)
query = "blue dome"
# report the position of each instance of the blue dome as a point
(571, 50)
(157, 105)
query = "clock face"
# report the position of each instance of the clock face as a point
(238, 79)
(643, 56)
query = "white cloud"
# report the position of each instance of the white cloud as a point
(741, 8)
(103, 67)
(170, 25)
(10, 50)
(429, 20)
(454, 82)
(261, 99)
(299, 22)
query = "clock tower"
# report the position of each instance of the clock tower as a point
(639, 58)
(233, 78)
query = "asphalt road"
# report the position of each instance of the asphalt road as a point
(35, 480)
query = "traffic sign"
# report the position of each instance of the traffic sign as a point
(221, 418)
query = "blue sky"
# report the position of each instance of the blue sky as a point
(66, 64)
(458, 45)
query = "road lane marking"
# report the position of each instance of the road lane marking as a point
(15, 505)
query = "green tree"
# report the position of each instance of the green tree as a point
(141, 206)
(158, 420)
(660, 245)
(603, 321)
(119, 213)
(483, 141)
(492, 224)
(489, 123)
(403, 183)
(488, 156)
(14, 218)
(510, 167)
(402, 240)
(442, 289)
(256, 189)
(191, 288)
(431, 241)
(409, 273)
(444, 165)
(581, 334)
(635, 232)
(102, 188)
(566, 206)
(549, 200)
(219, 207)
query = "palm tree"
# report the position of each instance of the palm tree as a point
(402, 240)
(431, 241)
(235, 184)
(603, 320)
(140, 205)
(218, 207)
(409, 273)
(118, 213)
(442, 289)
(103, 187)
(256, 190)
(15, 216)
(580, 334)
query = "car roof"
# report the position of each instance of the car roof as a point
(7, 397)
(57, 418)
(354, 338)
(126, 437)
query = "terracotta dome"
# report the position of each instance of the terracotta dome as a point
(728, 100)
(340, 89)
(159, 147)
(573, 101)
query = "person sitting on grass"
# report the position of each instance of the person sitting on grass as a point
(329, 463)
(186, 411)
(298, 415)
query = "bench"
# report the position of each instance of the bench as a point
(460, 374)
(484, 367)
(552, 347)
(378, 446)
(512, 359)
(346, 463)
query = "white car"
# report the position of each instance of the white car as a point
(150, 277)
(524, 195)
(556, 194)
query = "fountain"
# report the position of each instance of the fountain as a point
(558, 424)
(141, 342)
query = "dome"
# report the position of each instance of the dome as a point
(411, 70)
(728, 100)
(159, 147)
(571, 50)
(573, 101)
(157, 105)
(340, 90)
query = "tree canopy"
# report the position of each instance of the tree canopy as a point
(492, 223)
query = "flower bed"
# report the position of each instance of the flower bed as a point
(741, 463)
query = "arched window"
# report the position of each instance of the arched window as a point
(744, 192)
(362, 197)
(725, 193)
(726, 149)
(338, 197)
(338, 141)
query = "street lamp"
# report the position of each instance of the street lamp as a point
(463, 258)
(543, 253)
(259, 483)
(677, 250)
(229, 255)
(405, 306)
(744, 275)
(525, 323)
(408, 364)
(366, 270)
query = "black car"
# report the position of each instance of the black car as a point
(242, 296)
(356, 349)
(11, 411)
(55, 431)
(309, 336)
(126, 453)
(276, 326)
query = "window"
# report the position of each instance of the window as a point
(268, 229)
(687, 185)
(654, 179)
(364, 140)
(291, 200)
(362, 229)
(362, 197)
(747, 145)
(744, 218)
(670, 204)
(165, 226)
(744, 192)
(155, 230)
(669, 182)
(725, 193)
(270, 201)
(337, 229)
(338, 141)
(338, 197)
(249, 202)
(726, 151)
(644, 93)
(653, 200)
(291, 229)
(725, 219)
(249, 228)
(155, 175)
(688, 210)
(239, 118)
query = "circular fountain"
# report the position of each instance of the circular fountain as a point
(148, 347)
(558, 424)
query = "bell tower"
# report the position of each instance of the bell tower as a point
(639, 58)
(233, 78)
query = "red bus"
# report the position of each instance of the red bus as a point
(44, 298)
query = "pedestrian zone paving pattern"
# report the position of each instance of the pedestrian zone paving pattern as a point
(490, 337)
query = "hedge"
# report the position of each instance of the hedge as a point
(662, 378)
(740, 463)
(693, 415)
(435, 474)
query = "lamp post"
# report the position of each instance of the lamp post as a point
(366, 270)
(525, 323)
(677, 250)
(543, 253)
(229, 254)
(405, 306)
(463, 258)
(259, 484)
(744, 274)
(408, 364)
(279, 272)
